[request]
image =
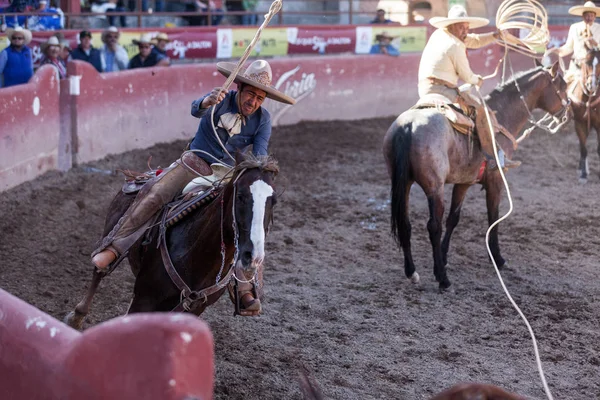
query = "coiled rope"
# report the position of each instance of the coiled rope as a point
(531, 16)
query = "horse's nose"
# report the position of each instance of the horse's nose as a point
(246, 258)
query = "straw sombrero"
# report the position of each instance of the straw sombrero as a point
(589, 6)
(160, 36)
(109, 30)
(458, 14)
(52, 41)
(259, 75)
(145, 38)
(26, 34)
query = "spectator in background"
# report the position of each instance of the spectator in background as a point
(119, 7)
(51, 50)
(235, 5)
(16, 61)
(249, 6)
(146, 57)
(46, 22)
(384, 45)
(114, 56)
(202, 6)
(65, 52)
(16, 6)
(160, 44)
(86, 52)
(380, 18)
(133, 3)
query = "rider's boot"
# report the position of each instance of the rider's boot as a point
(486, 140)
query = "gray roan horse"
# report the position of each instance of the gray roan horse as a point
(204, 248)
(585, 98)
(421, 146)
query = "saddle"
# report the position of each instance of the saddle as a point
(456, 113)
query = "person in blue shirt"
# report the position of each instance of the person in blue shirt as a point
(380, 18)
(86, 52)
(146, 57)
(239, 120)
(16, 61)
(384, 45)
(46, 22)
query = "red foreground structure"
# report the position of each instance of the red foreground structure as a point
(146, 356)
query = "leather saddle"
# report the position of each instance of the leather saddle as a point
(454, 112)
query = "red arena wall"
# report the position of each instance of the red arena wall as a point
(166, 356)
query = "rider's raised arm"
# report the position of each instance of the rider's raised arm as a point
(476, 40)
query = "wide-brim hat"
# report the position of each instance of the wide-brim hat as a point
(259, 75)
(144, 39)
(384, 35)
(109, 30)
(458, 14)
(160, 36)
(26, 34)
(588, 6)
(52, 41)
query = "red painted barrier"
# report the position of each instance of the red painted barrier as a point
(145, 356)
(29, 128)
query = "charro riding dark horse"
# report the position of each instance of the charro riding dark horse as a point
(585, 98)
(421, 146)
(186, 261)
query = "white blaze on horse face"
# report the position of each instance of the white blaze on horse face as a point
(260, 193)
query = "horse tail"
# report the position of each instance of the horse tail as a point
(400, 175)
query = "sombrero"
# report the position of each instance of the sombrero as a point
(145, 38)
(384, 34)
(588, 6)
(52, 41)
(160, 36)
(259, 75)
(26, 34)
(458, 14)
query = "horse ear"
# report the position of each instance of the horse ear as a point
(554, 69)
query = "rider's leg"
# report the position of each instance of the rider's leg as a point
(153, 196)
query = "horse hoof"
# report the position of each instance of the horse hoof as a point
(444, 285)
(74, 321)
(415, 278)
(583, 181)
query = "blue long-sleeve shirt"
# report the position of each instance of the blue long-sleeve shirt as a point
(256, 130)
(391, 50)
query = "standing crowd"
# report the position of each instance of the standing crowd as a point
(17, 61)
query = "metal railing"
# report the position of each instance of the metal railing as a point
(350, 11)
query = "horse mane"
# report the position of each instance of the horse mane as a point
(264, 163)
(509, 84)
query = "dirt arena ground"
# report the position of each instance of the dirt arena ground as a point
(337, 299)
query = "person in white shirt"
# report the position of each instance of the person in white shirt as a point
(583, 35)
(114, 56)
(444, 62)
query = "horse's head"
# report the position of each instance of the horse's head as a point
(553, 97)
(254, 199)
(590, 70)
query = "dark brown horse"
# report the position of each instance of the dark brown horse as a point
(585, 98)
(421, 146)
(204, 248)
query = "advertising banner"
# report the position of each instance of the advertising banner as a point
(407, 39)
(272, 42)
(321, 40)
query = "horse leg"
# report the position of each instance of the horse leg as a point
(404, 234)
(434, 226)
(76, 317)
(458, 195)
(493, 189)
(582, 134)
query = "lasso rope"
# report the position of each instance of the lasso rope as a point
(274, 9)
(529, 15)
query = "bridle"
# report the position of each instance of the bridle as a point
(551, 122)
